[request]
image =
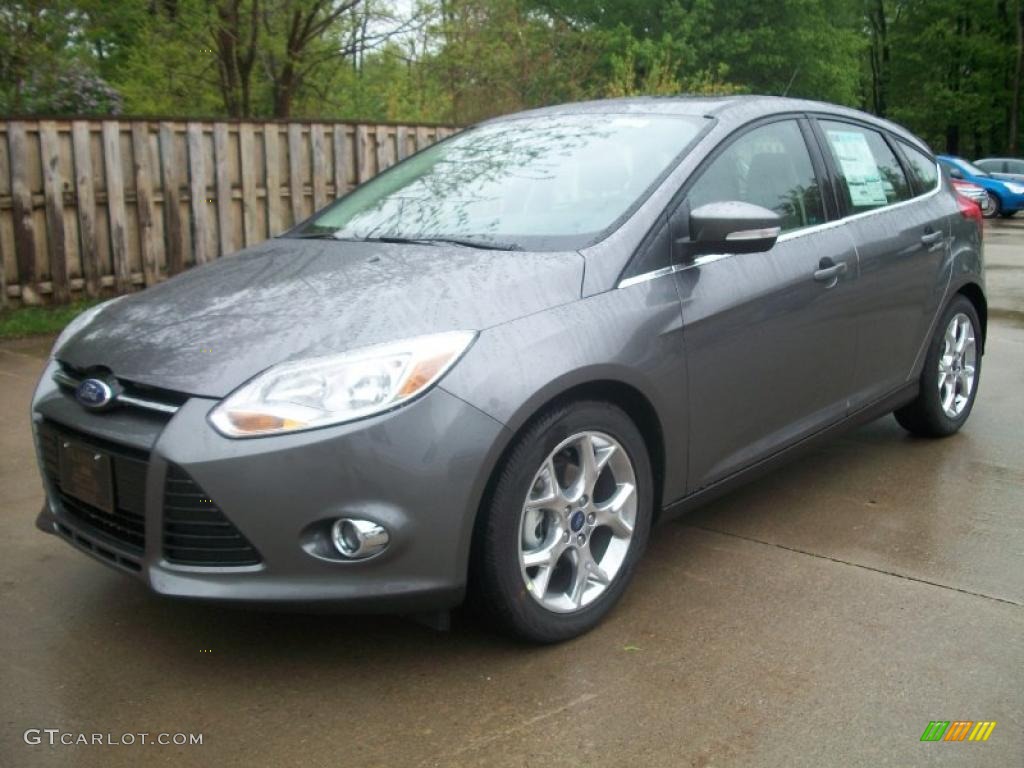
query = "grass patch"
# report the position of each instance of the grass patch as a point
(36, 321)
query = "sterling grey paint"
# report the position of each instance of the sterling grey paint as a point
(729, 363)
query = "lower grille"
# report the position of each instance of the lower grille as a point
(126, 525)
(196, 532)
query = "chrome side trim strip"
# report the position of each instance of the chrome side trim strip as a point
(66, 380)
(636, 279)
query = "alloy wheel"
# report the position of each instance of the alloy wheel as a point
(577, 521)
(957, 365)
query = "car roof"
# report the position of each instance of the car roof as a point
(733, 110)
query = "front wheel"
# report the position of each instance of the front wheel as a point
(949, 381)
(993, 208)
(566, 524)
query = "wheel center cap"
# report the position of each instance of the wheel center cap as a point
(577, 520)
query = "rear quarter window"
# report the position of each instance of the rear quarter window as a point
(923, 172)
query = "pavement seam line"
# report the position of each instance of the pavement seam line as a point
(859, 565)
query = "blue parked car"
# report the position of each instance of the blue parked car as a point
(1005, 197)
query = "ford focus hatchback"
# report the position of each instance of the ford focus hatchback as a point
(488, 371)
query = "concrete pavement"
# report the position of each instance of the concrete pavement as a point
(819, 617)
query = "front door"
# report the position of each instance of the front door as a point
(770, 337)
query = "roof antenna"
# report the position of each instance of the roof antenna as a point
(790, 83)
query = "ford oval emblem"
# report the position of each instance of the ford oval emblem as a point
(94, 394)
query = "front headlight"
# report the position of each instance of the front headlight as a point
(321, 391)
(78, 323)
(1017, 189)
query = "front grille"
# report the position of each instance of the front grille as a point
(126, 525)
(155, 401)
(196, 532)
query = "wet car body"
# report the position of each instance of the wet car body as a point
(727, 363)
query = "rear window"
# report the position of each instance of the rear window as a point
(871, 176)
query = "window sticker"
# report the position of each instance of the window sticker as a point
(858, 164)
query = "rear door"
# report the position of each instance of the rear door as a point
(902, 238)
(770, 337)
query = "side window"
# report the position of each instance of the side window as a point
(767, 166)
(1014, 166)
(870, 174)
(922, 169)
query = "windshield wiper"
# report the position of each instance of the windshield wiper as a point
(467, 243)
(314, 236)
(483, 245)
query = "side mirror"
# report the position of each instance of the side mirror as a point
(732, 227)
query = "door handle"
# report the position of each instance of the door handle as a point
(929, 238)
(829, 271)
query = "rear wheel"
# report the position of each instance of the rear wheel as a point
(566, 524)
(949, 381)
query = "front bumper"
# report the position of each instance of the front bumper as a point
(419, 470)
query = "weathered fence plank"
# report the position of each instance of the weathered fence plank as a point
(316, 132)
(115, 204)
(81, 150)
(197, 193)
(250, 226)
(53, 192)
(21, 205)
(363, 157)
(150, 243)
(171, 181)
(296, 189)
(5, 173)
(115, 190)
(272, 157)
(340, 160)
(222, 158)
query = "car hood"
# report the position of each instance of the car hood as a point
(210, 329)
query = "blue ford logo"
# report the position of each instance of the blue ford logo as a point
(577, 520)
(94, 394)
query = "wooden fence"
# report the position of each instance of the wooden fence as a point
(93, 207)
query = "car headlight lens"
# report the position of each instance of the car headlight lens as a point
(321, 391)
(78, 323)
(1017, 189)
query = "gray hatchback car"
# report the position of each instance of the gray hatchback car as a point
(490, 370)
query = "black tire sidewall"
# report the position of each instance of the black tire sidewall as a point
(501, 577)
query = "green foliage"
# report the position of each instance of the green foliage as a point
(32, 321)
(949, 70)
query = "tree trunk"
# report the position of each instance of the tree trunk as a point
(1014, 138)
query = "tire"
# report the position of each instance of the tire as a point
(993, 208)
(928, 415)
(512, 595)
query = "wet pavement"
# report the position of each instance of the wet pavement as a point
(821, 616)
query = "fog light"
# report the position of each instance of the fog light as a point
(358, 539)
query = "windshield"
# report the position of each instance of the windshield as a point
(972, 169)
(536, 183)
